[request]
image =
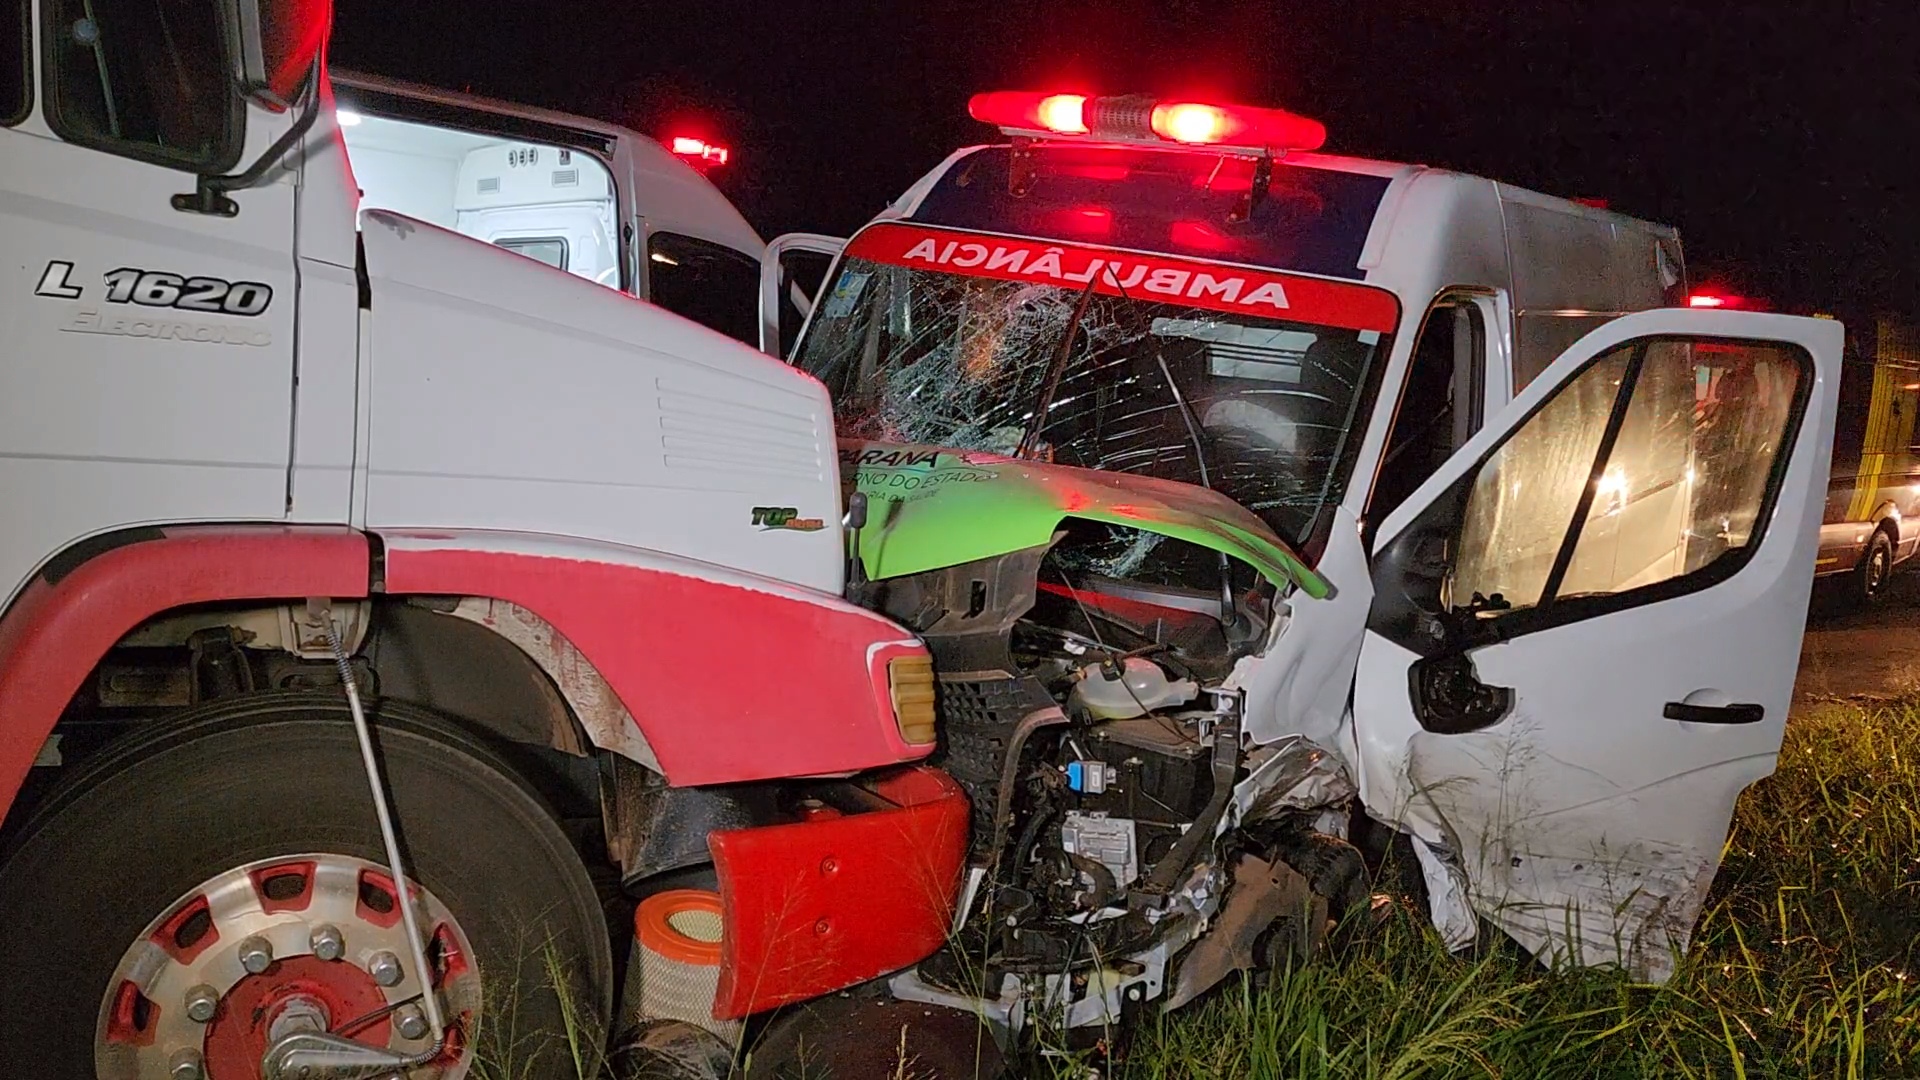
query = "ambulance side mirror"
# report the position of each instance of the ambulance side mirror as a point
(276, 43)
(1411, 608)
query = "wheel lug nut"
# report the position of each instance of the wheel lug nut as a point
(185, 1065)
(327, 944)
(410, 1022)
(202, 1002)
(385, 969)
(256, 954)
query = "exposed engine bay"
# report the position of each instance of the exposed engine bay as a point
(1128, 845)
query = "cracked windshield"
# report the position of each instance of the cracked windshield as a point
(1261, 409)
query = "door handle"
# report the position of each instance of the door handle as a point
(1714, 714)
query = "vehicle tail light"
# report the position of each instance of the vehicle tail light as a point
(910, 681)
(1722, 300)
(1143, 119)
(699, 151)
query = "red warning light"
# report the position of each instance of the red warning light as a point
(1190, 123)
(1061, 114)
(1718, 299)
(1064, 113)
(1135, 119)
(699, 151)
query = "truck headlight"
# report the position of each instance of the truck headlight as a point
(910, 680)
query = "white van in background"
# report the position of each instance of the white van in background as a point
(594, 199)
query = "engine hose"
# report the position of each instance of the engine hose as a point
(1226, 766)
(1041, 815)
(1010, 770)
(1105, 889)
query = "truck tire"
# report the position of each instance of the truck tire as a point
(140, 893)
(1875, 569)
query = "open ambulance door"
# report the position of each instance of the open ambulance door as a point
(792, 273)
(1585, 627)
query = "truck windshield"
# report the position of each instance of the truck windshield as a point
(956, 360)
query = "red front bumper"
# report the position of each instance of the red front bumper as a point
(818, 906)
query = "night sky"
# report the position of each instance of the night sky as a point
(1781, 138)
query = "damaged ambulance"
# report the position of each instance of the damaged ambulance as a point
(1265, 510)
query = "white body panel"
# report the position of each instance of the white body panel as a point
(615, 421)
(112, 415)
(118, 414)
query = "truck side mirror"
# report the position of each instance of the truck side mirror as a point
(277, 43)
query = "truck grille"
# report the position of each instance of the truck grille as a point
(978, 713)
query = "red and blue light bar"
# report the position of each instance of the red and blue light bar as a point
(1145, 119)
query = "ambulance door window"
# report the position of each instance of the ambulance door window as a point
(16, 85)
(715, 286)
(1590, 498)
(147, 79)
(1440, 404)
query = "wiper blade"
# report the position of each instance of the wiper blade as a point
(1054, 373)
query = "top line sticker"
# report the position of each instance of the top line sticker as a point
(1165, 278)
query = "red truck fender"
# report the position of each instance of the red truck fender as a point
(83, 602)
(730, 676)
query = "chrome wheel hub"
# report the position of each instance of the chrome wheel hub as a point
(303, 943)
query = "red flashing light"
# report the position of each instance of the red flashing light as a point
(1060, 114)
(1133, 119)
(699, 151)
(1064, 113)
(1706, 300)
(1189, 123)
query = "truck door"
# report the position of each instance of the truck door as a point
(148, 371)
(1586, 625)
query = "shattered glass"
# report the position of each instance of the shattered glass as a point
(921, 356)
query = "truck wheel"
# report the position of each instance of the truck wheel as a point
(1874, 570)
(200, 884)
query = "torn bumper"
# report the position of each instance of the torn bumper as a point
(817, 906)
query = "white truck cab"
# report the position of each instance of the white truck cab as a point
(408, 413)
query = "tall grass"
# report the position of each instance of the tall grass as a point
(1804, 964)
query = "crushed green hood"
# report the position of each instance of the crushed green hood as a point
(929, 508)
